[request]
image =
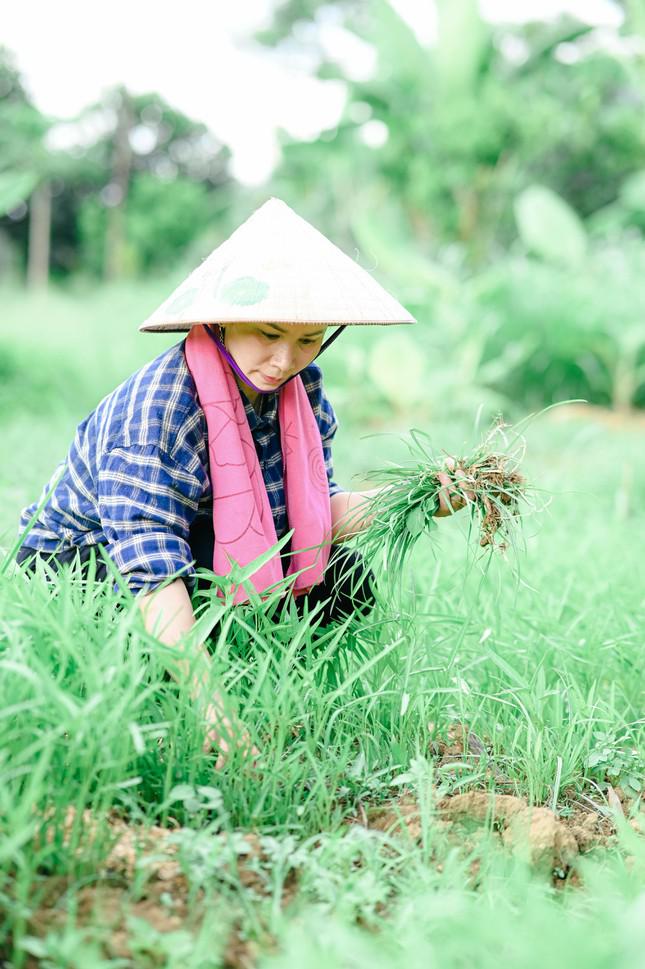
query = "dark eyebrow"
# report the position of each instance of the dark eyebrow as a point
(282, 330)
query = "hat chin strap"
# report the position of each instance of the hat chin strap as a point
(219, 343)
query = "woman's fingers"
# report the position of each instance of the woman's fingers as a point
(444, 495)
(223, 739)
(462, 487)
(453, 493)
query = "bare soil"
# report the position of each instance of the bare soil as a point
(147, 857)
(536, 834)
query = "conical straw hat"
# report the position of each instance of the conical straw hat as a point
(276, 268)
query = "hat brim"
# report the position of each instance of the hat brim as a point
(182, 326)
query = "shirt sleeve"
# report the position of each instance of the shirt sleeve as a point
(147, 501)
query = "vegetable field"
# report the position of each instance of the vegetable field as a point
(456, 780)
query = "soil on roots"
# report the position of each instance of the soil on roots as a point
(495, 489)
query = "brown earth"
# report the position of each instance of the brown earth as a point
(534, 833)
(109, 909)
(148, 856)
(164, 902)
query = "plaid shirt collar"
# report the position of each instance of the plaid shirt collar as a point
(265, 419)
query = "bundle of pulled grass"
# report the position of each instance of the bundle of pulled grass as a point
(487, 482)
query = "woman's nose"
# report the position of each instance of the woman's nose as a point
(282, 356)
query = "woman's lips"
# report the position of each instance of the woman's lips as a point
(272, 380)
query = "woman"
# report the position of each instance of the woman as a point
(221, 445)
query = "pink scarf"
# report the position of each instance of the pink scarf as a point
(242, 519)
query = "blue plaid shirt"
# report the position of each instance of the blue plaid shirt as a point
(136, 475)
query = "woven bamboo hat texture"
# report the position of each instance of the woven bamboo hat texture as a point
(276, 268)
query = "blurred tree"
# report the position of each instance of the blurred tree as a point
(451, 133)
(494, 138)
(144, 160)
(159, 221)
(120, 165)
(117, 189)
(25, 173)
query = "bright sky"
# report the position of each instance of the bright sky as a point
(198, 57)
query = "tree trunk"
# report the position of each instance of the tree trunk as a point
(40, 210)
(114, 263)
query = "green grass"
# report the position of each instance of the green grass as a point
(539, 654)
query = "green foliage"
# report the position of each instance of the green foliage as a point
(463, 46)
(22, 129)
(461, 143)
(398, 369)
(539, 669)
(15, 187)
(583, 324)
(174, 165)
(618, 760)
(11, 85)
(161, 219)
(69, 949)
(563, 323)
(549, 228)
(626, 212)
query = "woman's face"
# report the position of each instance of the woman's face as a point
(270, 353)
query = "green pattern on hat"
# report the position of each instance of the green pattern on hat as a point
(245, 291)
(182, 301)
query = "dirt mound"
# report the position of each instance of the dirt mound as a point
(142, 878)
(148, 857)
(533, 833)
(113, 914)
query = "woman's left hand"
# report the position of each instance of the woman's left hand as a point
(452, 495)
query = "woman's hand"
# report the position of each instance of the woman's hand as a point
(452, 496)
(224, 733)
(168, 614)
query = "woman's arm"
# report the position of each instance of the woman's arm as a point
(350, 513)
(168, 615)
(350, 510)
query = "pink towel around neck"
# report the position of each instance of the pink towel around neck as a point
(242, 519)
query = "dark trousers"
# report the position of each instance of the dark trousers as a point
(347, 586)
